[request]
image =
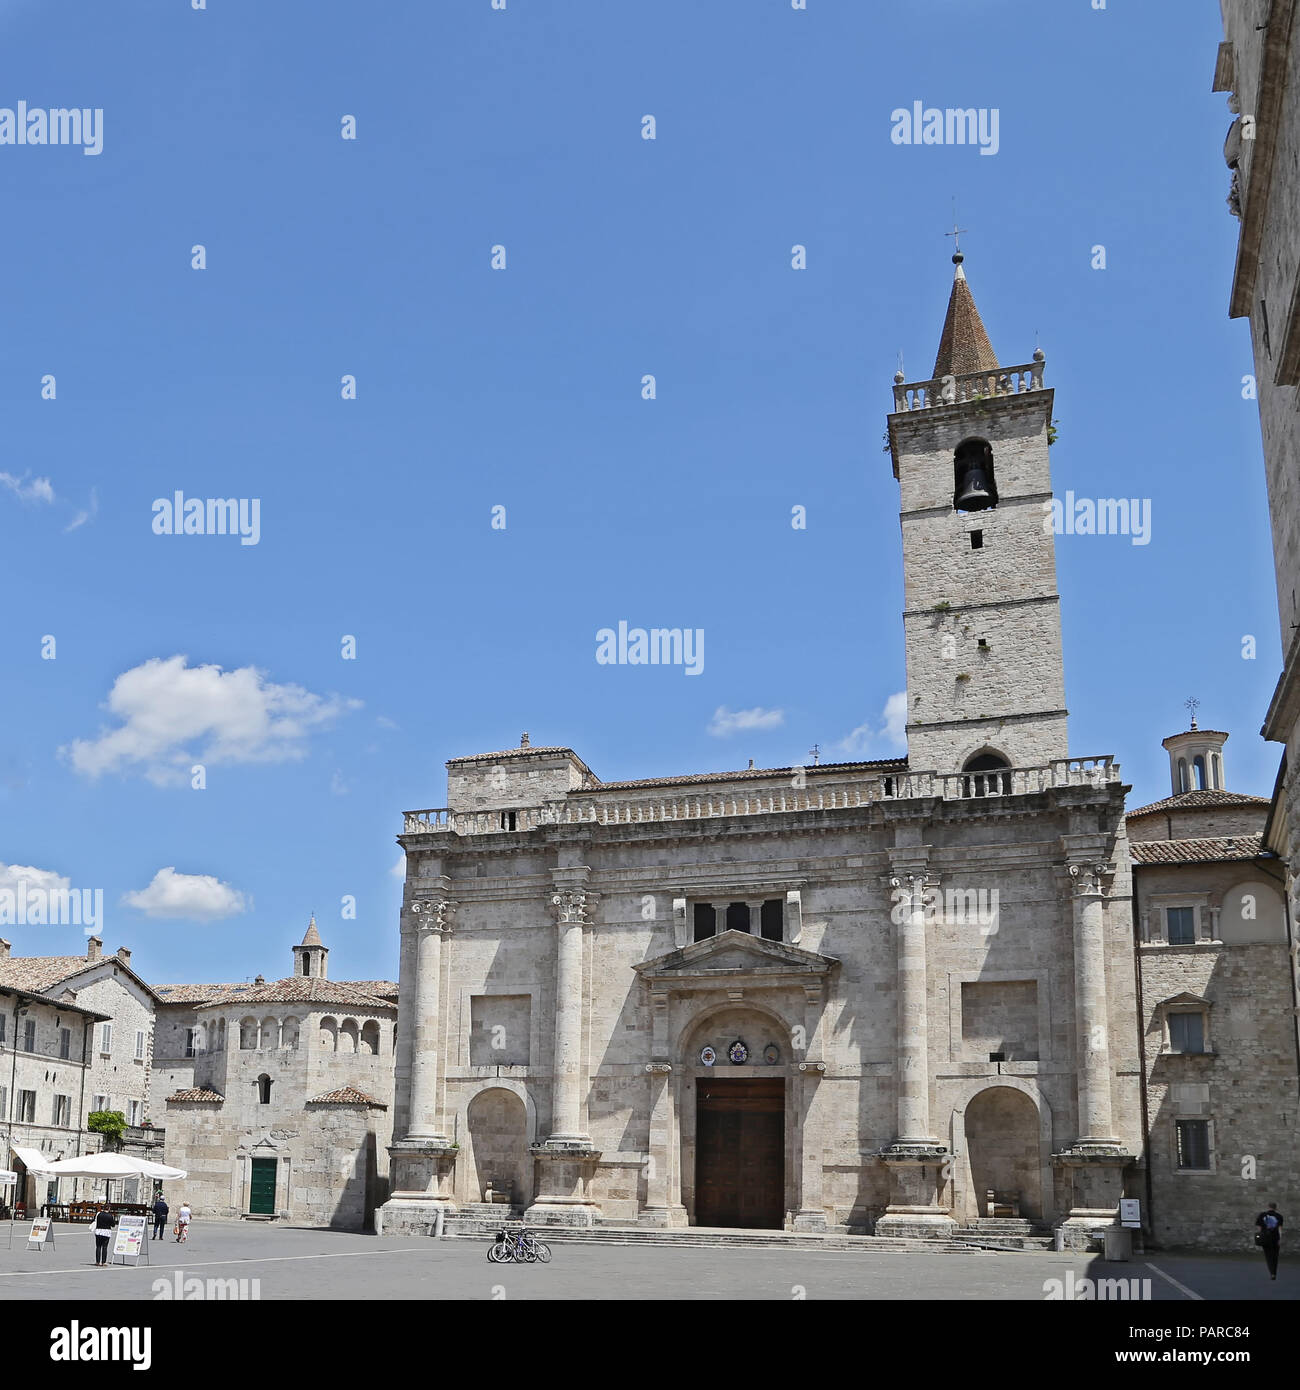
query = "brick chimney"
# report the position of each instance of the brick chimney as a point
(124, 954)
(4, 948)
(93, 947)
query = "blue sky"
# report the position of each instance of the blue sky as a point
(521, 388)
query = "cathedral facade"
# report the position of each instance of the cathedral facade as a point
(893, 996)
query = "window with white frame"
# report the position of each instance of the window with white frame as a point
(1180, 925)
(63, 1110)
(139, 1044)
(133, 1112)
(1192, 1144)
(65, 1043)
(99, 1103)
(2, 1027)
(4, 1102)
(29, 1035)
(1187, 1030)
(190, 1035)
(105, 1038)
(27, 1107)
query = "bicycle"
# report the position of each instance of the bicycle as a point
(518, 1247)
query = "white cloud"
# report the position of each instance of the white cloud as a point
(194, 897)
(43, 880)
(174, 715)
(338, 787)
(726, 721)
(399, 869)
(86, 514)
(892, 729)
(38, 490)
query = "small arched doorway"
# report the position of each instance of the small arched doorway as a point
(1002, 1144)
(497, 1121)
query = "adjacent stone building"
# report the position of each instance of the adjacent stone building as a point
(103, 1067)
(1220, 1061)
(1258, 66)
(279, 1094)
(893, 996)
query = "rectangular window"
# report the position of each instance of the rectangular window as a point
(99, 1103)
(27, 1107)
(2, 1027)
(1193, 1144)
(977, 540)
(65, 1042)
(772, 920)
(29, 1035)
(139, 1044)
(4, 1102)
(1187, 1032)
(189, 1041)
(105, 1038)
(133, 1112)
(1180, 925)
(706, 921)
(63, 1110)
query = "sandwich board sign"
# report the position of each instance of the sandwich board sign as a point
(41, 1234)
(129, 1241)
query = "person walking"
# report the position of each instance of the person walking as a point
(1269, 1236)
(103, 1229)
(183, 1223)
(160, 1213)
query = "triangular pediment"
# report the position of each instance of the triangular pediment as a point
(735, 953)
(1185, 1000)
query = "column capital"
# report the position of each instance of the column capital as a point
(658, 1067)
(1089, 879)
(571, 906)
(434, 914)
(912, 878)
(817, 1067)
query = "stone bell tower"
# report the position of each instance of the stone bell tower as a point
(981, 619)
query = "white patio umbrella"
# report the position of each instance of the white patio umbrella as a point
(110, 1165)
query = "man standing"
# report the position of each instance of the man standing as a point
(1269, 1224)
(160, 1210)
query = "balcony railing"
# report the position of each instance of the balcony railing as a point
(772, 800)
(970, 386)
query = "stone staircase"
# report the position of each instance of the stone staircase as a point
(1004, 1233)
(479, 1222)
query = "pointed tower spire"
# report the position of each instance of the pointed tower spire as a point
(964, 346)
(309, 957)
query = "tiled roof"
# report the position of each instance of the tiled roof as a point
(1219, 848)
(302, 989)
(195, 1093)
(964, 346)
(744, 775)
(40, 973)
(347, 1095)
(1191, 801)
(383, 989)
(200, 994)
(509, 753)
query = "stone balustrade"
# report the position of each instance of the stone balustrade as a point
(969, 386)
(840, 793)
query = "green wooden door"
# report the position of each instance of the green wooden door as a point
(261, 1188)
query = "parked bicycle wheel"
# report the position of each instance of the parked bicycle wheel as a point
(498, 1253)
(543, 1251)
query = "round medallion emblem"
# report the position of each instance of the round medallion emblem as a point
(708, 1056)
(738, 1052)
(771, 1054)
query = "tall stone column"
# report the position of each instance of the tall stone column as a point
(566, 1162)
(422, 1162)
(1095, 1163)
(433, 921)
(663, 1201)
(811, 1215)
(1092, 1021)
(916, 1159)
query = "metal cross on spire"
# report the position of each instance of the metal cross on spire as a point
(815, 753)
(1192, 704)
(956, 230)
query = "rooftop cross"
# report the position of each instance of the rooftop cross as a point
(1192, 705)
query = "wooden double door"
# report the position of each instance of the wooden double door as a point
(740, 1152)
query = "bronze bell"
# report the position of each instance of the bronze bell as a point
(975, 495)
